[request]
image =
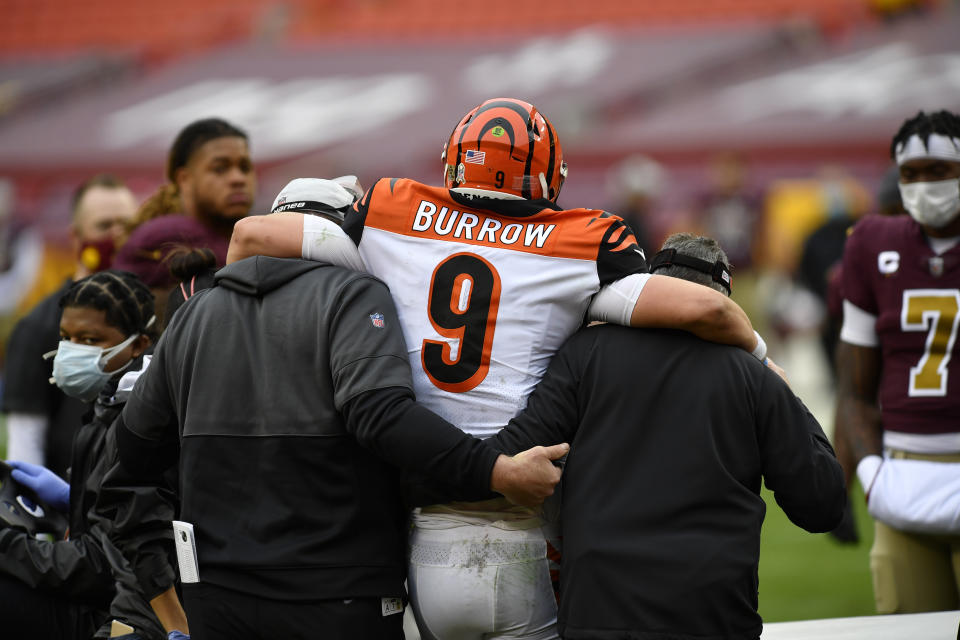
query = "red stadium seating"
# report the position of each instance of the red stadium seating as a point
(419, 18)
(176, 27)
(169, 28)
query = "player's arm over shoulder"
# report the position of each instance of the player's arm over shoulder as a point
(277, 234)
(631, 296)
(294, 235)
(652, 301)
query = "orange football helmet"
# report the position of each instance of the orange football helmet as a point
(505, 145)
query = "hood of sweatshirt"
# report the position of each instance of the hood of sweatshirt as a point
(258, 275)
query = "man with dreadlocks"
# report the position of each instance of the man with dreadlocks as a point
(71, 588)
(210, 178)
(898, 404)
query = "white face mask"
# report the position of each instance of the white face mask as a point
(932, 204)
(78, 368)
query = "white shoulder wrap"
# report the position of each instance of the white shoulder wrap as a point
(325, 241)
(615, 302)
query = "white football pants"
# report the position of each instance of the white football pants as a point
(473, 582)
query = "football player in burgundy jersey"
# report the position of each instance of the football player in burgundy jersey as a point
(898, 398)
(490, 276)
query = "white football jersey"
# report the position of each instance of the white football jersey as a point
(486, 289)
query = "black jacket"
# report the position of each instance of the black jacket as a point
(661, 508)
(85, 569)
(286, 387)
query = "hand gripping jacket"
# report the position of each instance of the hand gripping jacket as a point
(505, 145)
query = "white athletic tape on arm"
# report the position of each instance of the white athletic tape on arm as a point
(325, 241)
(760, 351)
(615, 302)
(859, 327)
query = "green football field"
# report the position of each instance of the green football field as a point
(805, 576)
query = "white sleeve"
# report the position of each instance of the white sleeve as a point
(325, 241)
(27, 437)
(615, 301)
(859, 327)
(913, 495)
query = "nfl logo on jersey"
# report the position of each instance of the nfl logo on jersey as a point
(935, 265)
(377, 320)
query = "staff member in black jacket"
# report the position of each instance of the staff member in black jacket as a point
(71, 589)
(670, 438)
(287, 389)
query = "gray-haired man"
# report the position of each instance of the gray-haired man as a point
(671, 437)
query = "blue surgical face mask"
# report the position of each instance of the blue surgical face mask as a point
(78, 368)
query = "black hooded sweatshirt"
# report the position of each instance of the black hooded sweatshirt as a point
(287, 391)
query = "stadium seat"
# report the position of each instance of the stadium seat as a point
(181, 26)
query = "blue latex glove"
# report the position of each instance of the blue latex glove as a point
(177, 635)
(48, 486)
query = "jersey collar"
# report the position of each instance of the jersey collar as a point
(506, 204)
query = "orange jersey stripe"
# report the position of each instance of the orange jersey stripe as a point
(413, 209)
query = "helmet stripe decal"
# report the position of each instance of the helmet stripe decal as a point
(527, 192)
(506, 104)
(553, 155)
(498, 122)
(463, 131)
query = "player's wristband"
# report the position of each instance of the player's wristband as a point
(759, 351)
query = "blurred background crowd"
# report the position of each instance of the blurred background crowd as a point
(762, 123)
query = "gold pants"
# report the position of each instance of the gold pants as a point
(915, 572)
